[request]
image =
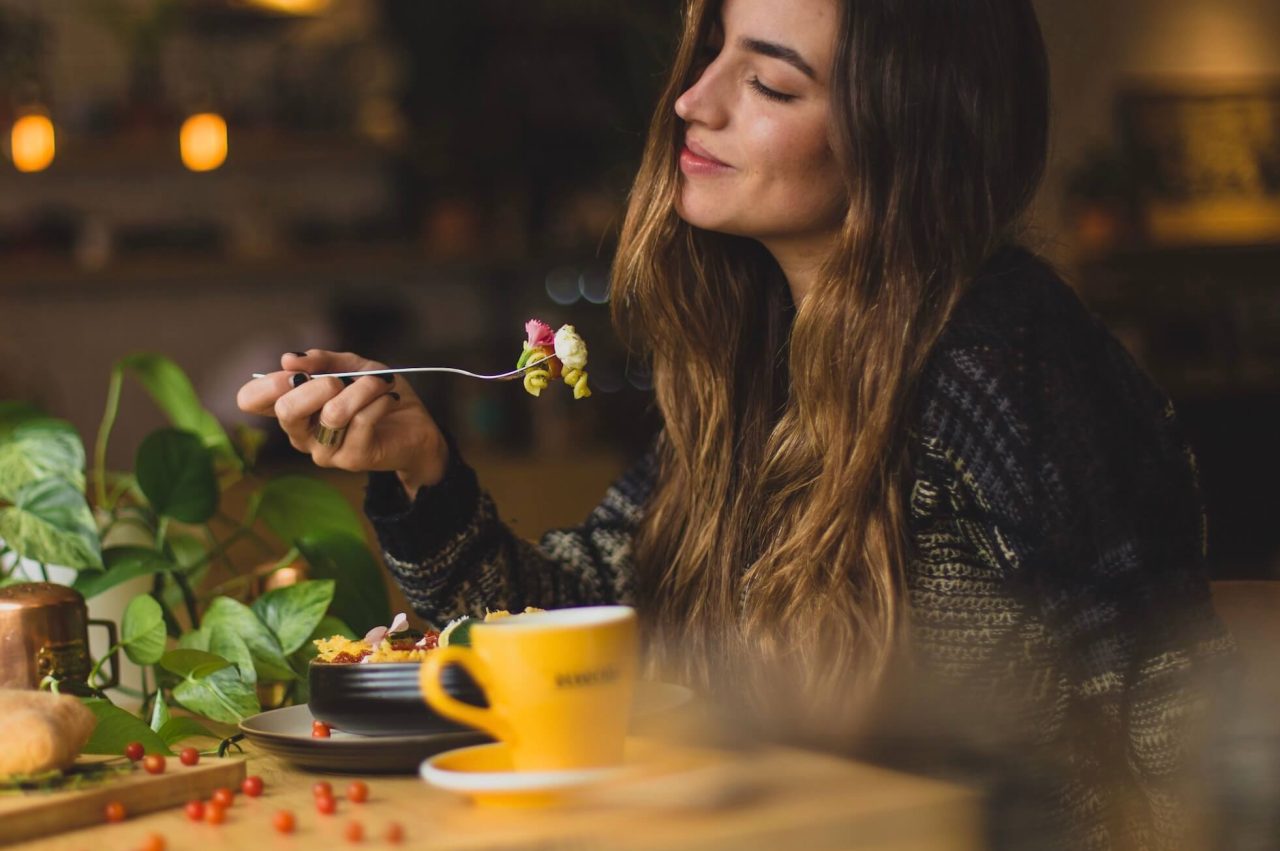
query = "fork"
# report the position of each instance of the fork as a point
(502, 376)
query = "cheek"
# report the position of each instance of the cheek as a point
(799, 171)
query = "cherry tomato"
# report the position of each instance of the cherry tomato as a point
(134, 751)
(251, 786)
(357, 792)
(153, 842)
(195, 810)
(354, 831)
(215, 813)
(153, 763)
(189, 756)
(320, 730)
(321, 787)
(224, 797)
(114, 811)
(395, 833)
(326, 805)
(283, 821)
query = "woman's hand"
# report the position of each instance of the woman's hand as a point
(387, 427)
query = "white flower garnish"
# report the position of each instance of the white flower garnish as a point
(570, 348)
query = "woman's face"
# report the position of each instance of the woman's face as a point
(757, 160)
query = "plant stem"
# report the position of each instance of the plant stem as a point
(161, 528)
(188, 597)
(104, 433)
(171, 626)
(44, 572)
(121, 486)
(262, 542)
(219, 550)
(97, 666)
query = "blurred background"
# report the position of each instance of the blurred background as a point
(224, 180)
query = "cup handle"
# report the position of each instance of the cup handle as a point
(113, 657)
(448, 705)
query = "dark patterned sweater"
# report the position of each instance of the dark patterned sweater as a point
(1057, 589)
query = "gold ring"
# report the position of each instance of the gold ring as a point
(328, 436)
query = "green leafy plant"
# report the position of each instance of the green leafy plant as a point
(214, 650)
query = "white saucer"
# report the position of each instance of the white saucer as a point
(484, 774)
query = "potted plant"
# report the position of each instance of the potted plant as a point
(220, 650)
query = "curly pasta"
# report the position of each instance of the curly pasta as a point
(536, 380)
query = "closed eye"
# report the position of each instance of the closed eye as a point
(769, 93)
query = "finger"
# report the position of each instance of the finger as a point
(297, 409)
(338, 411)
(359, 451)
(315, 361)
(260, 395)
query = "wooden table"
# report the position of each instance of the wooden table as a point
(798, 800)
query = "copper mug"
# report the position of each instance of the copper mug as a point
(44, 631)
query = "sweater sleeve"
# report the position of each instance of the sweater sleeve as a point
(1080, 492)
(452, 554)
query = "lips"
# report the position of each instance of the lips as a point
(703, 153)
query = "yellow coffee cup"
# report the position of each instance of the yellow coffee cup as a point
(559, 684)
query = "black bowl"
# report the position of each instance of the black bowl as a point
(384, 698)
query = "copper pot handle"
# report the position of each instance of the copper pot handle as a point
(113, 656)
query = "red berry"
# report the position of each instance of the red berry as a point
(134, 751)
(320, 730)
(251, 786)
(326, 805)
(283, 821)
(354, 831)
(357, 792)
(215, 813)
(154, 763)
(224, 797)
(321, 787)
(189, 756)
(195, 810)
(153, 842)
(395, 833)
(114, 811)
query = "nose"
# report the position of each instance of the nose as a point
(703, 102)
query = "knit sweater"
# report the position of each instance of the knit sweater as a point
(1057, 586)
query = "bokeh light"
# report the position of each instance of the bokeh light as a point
(562, 285)
(594, 285)
(203, 141)
(32, 141)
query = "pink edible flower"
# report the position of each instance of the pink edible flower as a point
(540, 333)
(374, 636)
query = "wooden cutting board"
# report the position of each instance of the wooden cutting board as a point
(40, 813)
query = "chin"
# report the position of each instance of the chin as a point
(707, 220)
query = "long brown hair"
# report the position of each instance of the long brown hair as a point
(776, 538)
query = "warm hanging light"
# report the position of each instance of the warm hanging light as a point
(203, 141)
(293, 7)
(32, 143)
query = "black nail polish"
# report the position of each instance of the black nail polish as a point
(390, 379)
(394, 395)
(299, 379)
(298, 354)
(346, 380)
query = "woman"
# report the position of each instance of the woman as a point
(893, 439)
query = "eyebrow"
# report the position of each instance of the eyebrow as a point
(778, 51)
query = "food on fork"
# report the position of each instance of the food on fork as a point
(559, 354)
